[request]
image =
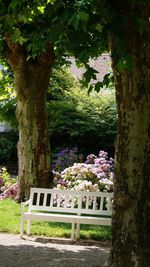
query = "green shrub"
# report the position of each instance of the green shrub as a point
(75, 118)
(8, 148)
(82, 120)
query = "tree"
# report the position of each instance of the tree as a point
(87, 28)
(128, 28)
(75, 118)
(33, 35)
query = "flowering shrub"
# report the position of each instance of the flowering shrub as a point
(66, 158)
(93, 175)
(8, 185)
(96, 174)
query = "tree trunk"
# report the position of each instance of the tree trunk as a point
(31, 83)
(131, 212)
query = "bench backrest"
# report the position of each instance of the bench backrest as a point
(78, 202)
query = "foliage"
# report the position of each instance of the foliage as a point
(7, 97)
(82, 28)
(61, 81)
(7, 111)
(8, 185)
(69, 26)
(8, 147)
(93, 175)
(76, 118)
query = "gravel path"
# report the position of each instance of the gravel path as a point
(46, 252)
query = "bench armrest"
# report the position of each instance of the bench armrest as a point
(23, 204)
(26, 202)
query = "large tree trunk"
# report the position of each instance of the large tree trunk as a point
(131, 214)
(31, 83)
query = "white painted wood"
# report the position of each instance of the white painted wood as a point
(94, 203)
(38, 199)
(28, 227)
(72, 231)
(23, 204)
(87, 202)
(44, 200)
(58, 203)
(75, 203)
(21, 226)
(78, 231)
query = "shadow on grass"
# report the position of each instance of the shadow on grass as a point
(28, 253)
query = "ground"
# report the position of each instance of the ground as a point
(46, 252)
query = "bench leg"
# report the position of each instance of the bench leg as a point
(72, 232)
(21, 227)
(28, 226)
(78, 231)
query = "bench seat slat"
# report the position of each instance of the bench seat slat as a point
(67, 218)
(92, 220)
(51, 217)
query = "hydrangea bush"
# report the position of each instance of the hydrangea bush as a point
(8, 185)
(96, 174)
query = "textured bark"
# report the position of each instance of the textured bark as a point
(131, 214)
(31, 83)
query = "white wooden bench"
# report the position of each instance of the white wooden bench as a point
(75, 207)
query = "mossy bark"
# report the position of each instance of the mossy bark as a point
(31, 83)
(131, 213)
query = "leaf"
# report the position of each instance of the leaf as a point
(84, 56)
(41, 9)
(99, 27)
(90, 74)
(90, 89)
(125, 63)
(121, 66)
(98, 86)
(23, 18)
(17, 37)
(76, 21)
(51, 2)
(13, 4)
(76, 18)
(10, 20)
(83, 16)
(106, 80)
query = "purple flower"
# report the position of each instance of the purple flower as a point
(61, 181)
(65, 158)
(94, 174)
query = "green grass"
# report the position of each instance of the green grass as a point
(10, 220)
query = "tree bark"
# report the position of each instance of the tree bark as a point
(31, 83)
(131, 211)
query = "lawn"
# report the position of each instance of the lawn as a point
(10, 220)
